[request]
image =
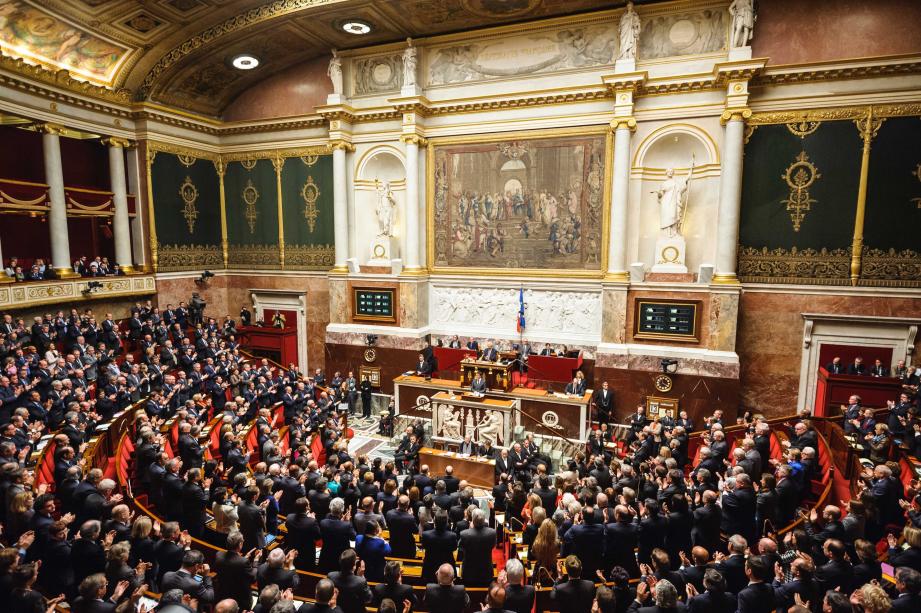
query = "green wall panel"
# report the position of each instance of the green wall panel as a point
(251, 205)
(307, 196)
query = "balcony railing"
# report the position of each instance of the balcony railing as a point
(67, 291)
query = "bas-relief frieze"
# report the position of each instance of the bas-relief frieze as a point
(525, 54)
(376, 75)
(692, 33)
(492, 312)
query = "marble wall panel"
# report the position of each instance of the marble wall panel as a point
(770, 339)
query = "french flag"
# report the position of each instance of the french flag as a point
(520, 324)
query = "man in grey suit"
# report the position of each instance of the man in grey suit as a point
(477, 543)
(478, 384)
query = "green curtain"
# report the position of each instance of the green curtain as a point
(251, 205)
(187, 212)
(799, 200)
(307, 209)
(892, 240)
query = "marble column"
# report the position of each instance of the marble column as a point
(730, 202)
(340, 205)
(411, 257)
(120, 220)
(4, 278)
(57, 214)
(617, 249)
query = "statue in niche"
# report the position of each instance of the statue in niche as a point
(386, 205)
(335, 72)
(673, 201)
(629, 33)
(409, 64)
(743, 22)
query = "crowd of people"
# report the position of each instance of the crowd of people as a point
(84, 267)
(655, 530)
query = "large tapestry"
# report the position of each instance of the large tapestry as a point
(533, 203)
(251, 206)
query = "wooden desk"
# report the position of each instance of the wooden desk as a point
(497, 375)
(477, 471)
(454, 416)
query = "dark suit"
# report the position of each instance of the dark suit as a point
(604, 404)
(706, 530)
(235, 575)
(906, 603)
(397, 592)
(711, 602)
(402, 527)
(733, 571)
(446, 598)
(756, 598)
(587, 542)
(477, 545)
(573, 595)
(303, 532)
(182, 580)
(354, 593)
(519, 598)
(739, 513)
(336, 535)
(252, 525)
(837, 573)
(439, 546)
(168, 556)
(478, 385)
(282, 577)
(620, 540)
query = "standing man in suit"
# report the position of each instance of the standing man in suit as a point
(354, 592)
(251, 519)
(444, 596)
(489, 353)
(478, 384)
(519, 597)
(423, 367)
(908, 585)
(337, 532)
(477, 543)
(573, 594)
(303, 533)
(366, 390)
(235, 572)
(603, 400)
(758, 595)
(402, 527)
(193, 563)
(439, 544)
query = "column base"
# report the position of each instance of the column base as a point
(339, 270)
(129, 270)
(725, 278)
(66, 273)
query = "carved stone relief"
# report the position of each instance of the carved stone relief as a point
(377, 75)
(492, 311)
(692, 33)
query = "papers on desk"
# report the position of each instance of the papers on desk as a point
(409, 373)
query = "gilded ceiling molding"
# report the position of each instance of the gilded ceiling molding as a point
(62, 78)
(835, 113)
(279, 8)
(155, 146)
(786, 75)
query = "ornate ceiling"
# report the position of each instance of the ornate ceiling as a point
(177, 52)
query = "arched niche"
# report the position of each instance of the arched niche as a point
(382, 163)
(673, 145)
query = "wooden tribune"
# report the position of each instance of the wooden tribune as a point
(475, 470)
(497, 375)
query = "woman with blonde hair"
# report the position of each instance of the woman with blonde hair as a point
(20, 514)
(544, 552)
(871, 598)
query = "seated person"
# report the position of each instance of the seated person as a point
(879, 369)
(490, 354)
(576, 387)
(478, 384)
(835, 367)
(858, 367)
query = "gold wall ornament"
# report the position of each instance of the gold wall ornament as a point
(310, 193)
(309, 160)
(891, 268)
(799, 176)
(309, 256)
(186, 160)
(810, 266)
(250, 196)
(803, 128)
(254, 256)
(189, 194)
(248, 164)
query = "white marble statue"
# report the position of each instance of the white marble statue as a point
(409, 64)
(451, 427)
(629, 33)
(673, 201)
(743, 22)
(491, 427)
(335, 72)
(386, 206)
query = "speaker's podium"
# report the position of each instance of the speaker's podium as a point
(497, 374)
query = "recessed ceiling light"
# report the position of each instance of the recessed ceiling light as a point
(245, 61)
(356, 27)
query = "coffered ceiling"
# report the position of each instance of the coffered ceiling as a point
(178, 51)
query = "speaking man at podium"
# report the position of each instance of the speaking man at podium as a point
(489, 353)
(478, 384)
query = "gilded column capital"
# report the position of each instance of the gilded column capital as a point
(413, 139)
(49, 128)
(623, 122)
(735, 114)
(344, 145)
(114, 141)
